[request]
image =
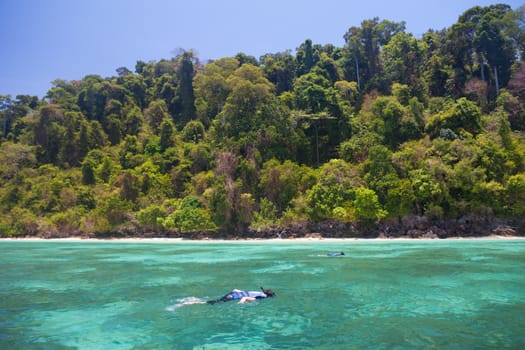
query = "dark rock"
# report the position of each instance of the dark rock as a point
(504, 231)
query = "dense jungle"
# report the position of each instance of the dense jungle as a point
(389, 134)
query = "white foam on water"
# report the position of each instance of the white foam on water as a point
(185, 301)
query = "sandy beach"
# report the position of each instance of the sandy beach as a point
(273, 240)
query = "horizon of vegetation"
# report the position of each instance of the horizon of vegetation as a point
(387, 126)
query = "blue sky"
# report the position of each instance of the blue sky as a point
(43, 40)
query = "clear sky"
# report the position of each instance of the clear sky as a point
(42, 40)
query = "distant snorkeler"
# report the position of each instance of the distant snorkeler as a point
(243, 296)
(336, 254)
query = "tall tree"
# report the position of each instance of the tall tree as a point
(250, 90)
(365, 45)
(12, 110)
(305, 57)
(518, 32)
(212, 89)
(280, 69)
(185, 92)
(402, 58)
(494, 45)
(5, 104)
(156, 112)
(479, 43)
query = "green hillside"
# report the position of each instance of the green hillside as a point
(387, 127)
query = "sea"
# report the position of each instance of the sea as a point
(428, 294)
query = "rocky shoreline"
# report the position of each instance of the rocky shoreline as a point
(411, 227)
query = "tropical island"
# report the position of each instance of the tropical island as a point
(389, 136)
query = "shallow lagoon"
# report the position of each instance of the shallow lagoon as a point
(453, 294)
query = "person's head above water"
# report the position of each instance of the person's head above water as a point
(268, 292)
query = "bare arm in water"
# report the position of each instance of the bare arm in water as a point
(245, 299)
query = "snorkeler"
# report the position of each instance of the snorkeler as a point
(336, 254)
(243, 296)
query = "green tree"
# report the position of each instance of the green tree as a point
(63, 93)
(393, 122)
(366, 207)
(491, 41)
(334, 189)
(106, 169)
(220, 205)
(243, 110)
(137, 87)
(156, 112)
(426, 190)
(513, 107)
(480, 39)
(402, 58)
(365, 44)
(305, 57)
(71, 147)
(246, 59)
(185, 92)
(323, 199)
(133, 121)
(129, 186)
(14, 158)
(193, 132)
(190, 216)
(112, 212)
(313, 94)
(400, 198)
(113, 129)
(48, 133)
(96, 136)
(327, 67)
(152, 216)
(380, 174)
(12, 111)
(129, 154)
(280, 183)
(515, 195)
(356, 148)
(280, 68)
(92, 98)
(83, 140)
(212, 88)
(463, 116)
(88, 172)
(167, 134)
(266, 215)
(437, 70)
(348, 93)
(200, 156)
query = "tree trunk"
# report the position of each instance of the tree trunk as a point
(497, 81)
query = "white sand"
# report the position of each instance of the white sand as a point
(273, 240)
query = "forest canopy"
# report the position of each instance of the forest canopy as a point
(387, 126)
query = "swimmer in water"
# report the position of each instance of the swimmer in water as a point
(336, 254)
(243, 296)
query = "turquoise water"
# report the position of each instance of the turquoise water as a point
(380, 295)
